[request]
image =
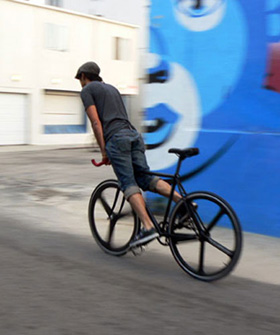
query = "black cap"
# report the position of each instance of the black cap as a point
(90, 68)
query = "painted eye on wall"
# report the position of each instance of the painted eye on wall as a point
(197, 8)
(158, 64)
(199, 15)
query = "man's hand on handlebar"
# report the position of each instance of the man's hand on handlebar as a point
(105, 161)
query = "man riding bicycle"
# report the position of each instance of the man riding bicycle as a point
(121, 145)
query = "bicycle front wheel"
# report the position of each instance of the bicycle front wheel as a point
(112, 221)
(211, 252)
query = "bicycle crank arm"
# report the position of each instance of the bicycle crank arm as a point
(138, 250)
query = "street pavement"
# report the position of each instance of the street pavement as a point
(55, 279)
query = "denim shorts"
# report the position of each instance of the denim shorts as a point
(126, 151)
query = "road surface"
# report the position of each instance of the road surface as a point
(56, 281)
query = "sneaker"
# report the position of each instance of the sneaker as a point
(184, 219)
(144, 237)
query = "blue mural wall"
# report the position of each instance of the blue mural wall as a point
(214, 83)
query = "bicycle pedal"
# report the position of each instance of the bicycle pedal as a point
(138, 250)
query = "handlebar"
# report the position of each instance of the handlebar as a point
(97, 163)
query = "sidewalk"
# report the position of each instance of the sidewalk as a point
(28, 148)
(260, 259)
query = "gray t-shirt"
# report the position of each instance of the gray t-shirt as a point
(109, 105)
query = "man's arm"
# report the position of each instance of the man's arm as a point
(97, 129)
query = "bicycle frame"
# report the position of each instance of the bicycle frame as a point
(175, 180)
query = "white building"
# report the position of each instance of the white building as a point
(41, 49)
(129, 11)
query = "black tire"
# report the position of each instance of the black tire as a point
(213, 254)
(113, 223)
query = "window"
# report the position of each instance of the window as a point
(122, 49)
(56, 37)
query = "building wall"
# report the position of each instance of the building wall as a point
(214, 84)
(41, 49)
(136, 12)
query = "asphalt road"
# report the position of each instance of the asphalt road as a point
(55, 280)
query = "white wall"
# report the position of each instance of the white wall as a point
(29, 65)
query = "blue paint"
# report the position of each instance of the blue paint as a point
(68, 128)
(65, 129)
(228, 62)
(205, 9)
(168, 119)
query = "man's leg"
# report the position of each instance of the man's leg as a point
(149, 233)
(138, 204)
(145, 182)
(163, 188)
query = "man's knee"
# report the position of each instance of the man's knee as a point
(153, 184)
(128, 192)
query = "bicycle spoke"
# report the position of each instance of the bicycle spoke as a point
(215, 220)
(122, 204)
(110, 233)
(106, 206)
(110, 212)
(201, 257)
(124, 214)
(115, 200)
(220, 247)
(177, 238)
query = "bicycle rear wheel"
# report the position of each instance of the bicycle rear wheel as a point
(212, 252)
(113, 223)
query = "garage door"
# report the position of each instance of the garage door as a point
(63, 113)
(12, 119)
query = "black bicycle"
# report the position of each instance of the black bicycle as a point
(202, 230)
